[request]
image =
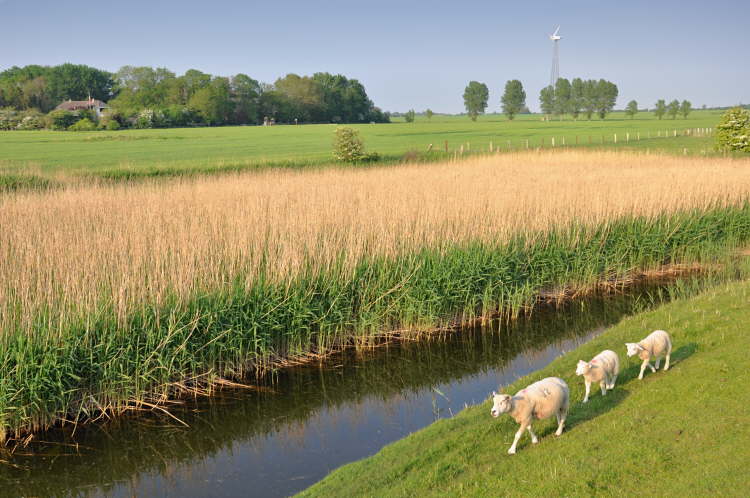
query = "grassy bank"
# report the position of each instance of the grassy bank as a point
(71, 157)
(681, 432)
(116, 297)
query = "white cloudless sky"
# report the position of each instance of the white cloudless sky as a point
(408, 54)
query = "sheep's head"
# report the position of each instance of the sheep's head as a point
(501, 403)
(583, 367)
(633, 348)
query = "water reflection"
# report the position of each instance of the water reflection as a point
(311, 421)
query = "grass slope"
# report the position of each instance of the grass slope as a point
(681, 432)
(138, 153)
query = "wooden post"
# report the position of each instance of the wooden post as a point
(508, 144)
(639, 136)
(553, 141)
(446, 146)
(542, 142)
(563, 141)
(527, 144)
(615, 135)
(468, 147)
(627, 137)
(490, 146)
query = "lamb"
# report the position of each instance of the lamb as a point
(655, 345)
(603, 368)
(540, 400)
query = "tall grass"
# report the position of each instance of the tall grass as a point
(115, 296)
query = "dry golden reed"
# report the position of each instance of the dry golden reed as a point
(68, 252)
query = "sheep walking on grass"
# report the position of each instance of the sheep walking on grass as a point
(603, 368)
(657, 344)
(540, 400)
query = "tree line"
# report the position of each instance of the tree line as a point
(576, 98)
(145, 97)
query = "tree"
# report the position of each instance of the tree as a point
(673, 108)
(733, 131)
(429, 113)
(214, 102)
(606, 97)
(547, 100)
(245, 93)
(562, 97)
(576, 97)
(685, 108)
(631, 109)
(660, 109)
(514, 98)
(589, 97)
(409, 116)
(476, 96)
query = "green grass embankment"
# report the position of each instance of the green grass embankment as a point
(104, 361)
(683, 432)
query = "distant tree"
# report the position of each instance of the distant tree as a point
(660, 108)
(214, 102)
(606, 97)
(733, 131)
(589, 104)
(245, 95)
(562, 97)
(429, 113)
(547, 100)
(673, 108)
(476, 96)
(685, 108)
(631, 109)
(409, 116)
(514, 99)
(576, 97)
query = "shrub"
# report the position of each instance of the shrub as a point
(349, 148)
(733, 131)
(112, 125)
(9, 118)
(84, 124)
(61, 120)
(409, 116)
(32, 120)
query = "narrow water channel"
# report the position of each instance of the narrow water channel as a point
(311, 420)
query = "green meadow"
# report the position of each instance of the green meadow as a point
(135, 153)
(682, 432)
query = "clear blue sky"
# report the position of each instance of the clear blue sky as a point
(407, 53)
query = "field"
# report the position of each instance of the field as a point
(680, 432)
(67, 156)
(116, 296)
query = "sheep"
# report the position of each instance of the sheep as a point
(540, 400)
(655, 345)
(603, 368)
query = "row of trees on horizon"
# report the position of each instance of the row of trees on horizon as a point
(152, 97)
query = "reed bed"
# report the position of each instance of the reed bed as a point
(114, 297)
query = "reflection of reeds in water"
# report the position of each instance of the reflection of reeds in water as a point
(111, 294)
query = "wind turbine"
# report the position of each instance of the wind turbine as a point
(555, 74)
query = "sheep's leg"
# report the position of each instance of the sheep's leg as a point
(603, 386)
(658, 360)
(612, 381)
(588, 390)
(534, 439)
(519, 433)
(643, 367)
(560, 422)
(666, 363)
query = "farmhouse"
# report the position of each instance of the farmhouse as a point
(74, 105)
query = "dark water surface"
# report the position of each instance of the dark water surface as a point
(312, 419)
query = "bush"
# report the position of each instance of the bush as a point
(112, 125)
(409, 116)
(349, 148)
(61, 120)
(32, 120)
(84, 124)
(9, 118)
(733, 131)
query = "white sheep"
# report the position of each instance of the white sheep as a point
(603, 368)
(540, 400)
(656, 345)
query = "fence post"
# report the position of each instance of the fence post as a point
(527, 143)
(490, 146)
(542, 142)
(446, 146)
(627, 137)
(508, 144)
(615, 135)
(563, 141)
(553, 141)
